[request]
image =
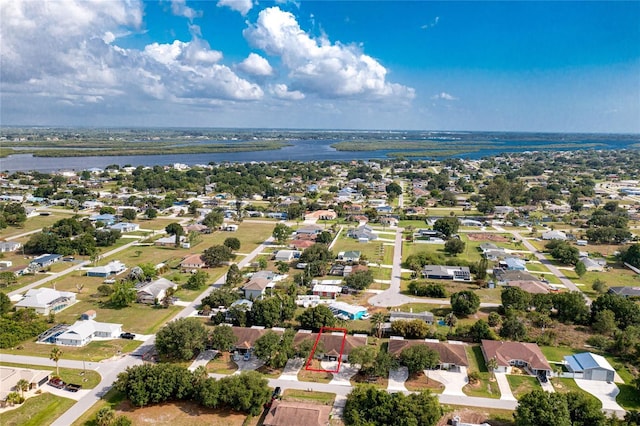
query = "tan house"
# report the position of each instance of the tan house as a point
(332, 343)
(289, 413)
(526, 356)
(452, 355)
(10, 376)
(155, 291)
(193, 261)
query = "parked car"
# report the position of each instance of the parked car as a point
(129, 336)
(57, 383)
(277, 392)
(72, 387)
(247, 356)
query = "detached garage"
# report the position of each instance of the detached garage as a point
(592, 366)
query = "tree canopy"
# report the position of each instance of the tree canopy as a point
(181, 339)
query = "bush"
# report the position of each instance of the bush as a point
(428, 290)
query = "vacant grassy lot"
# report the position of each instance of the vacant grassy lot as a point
(93, 352)
(222, 364)
(484, 387)
(493, 416)
(324, 398)
(522, 384)
(89, 379)
(40, 410)
(557, 353)
(374, 251)
(420, 382)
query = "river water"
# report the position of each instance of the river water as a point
(302, 150)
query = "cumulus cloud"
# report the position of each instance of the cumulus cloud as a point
(281, 91)
(64, 52)
(255, 64)
(180, 8)
(242, 6)
(318, 66)
(444, 96)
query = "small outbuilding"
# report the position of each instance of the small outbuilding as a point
(591, 366)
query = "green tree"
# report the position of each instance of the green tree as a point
(232, 242)
(364, 356)
(55, 355)
(105, 416)
(246, 392)
(540, 408)
(454, 246)
(7, 278)
(481, 268)
(213, 219)
(494, 319)
(151, 213)
(480, 330)
(632, 255)
(360, 279)
(378, 319)
(282, 267)
(465, 302)
(584, 410)
(393, 190)
(274, 349)
(5, 304)
(216, 255)
(197, 281)
(234, 276)
(22, 385)
(418, 358)
(123, 295)
(181, 339)
(571, 307)
(222, 338)
(316, 317)
(604, 322)
(267, 312)
(194, 206)
(281, 233)
(447, 225)
(175, 229)
(580, 269)
(513, 328)
(129, 214)
(515, 298)
(563, 252)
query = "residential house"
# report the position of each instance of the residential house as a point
(592, 264)
(289, 413)
(388, 221)
(301, 244)
(530, 286)
(349, 256)
(443, 272)
(287, 255)
(9, 246)
(309, 230)
(125, 227)
(453, 356)
(590, 366)
(88, 315)
(334, 345)
(83, 332)
(526, 356)
(10, 376)
(554, 235)
(259, 283)
(43, 262)
(347, 311)
(196, 227)
(114, 267)
(322, 290)
(503, 277)
(470, 222)
(46, 300)
(246, 336)
(409, 316)
(193, 261)
(625, 291)
(513, 264)
(244, 305)
(169, 241)
(363, 234)
(321, 215)
(107, 219)
(155, 291)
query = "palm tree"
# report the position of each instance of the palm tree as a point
(55, 355)
(377, 320)
(22, 386)
(451, 321)
(492, 364)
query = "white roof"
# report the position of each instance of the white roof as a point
(327, 288)
(84, 329)
(42, 297)
(345, 307)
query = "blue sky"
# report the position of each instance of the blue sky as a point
(514, 66)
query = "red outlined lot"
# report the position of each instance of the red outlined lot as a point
(307, 365)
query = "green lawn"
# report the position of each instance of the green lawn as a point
(374, 251)
(564, 385)
(111, 399)
(93, 352)
(521, 385)
(89, 379)
(324, 398)
(485, 388)
(557, 353)
(40, 410)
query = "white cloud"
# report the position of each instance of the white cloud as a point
(319, 66)
(431, 24)
(180, 8)
(242, 6)
(444, 96)
(63, 53)
(281, 91)
(255, 64)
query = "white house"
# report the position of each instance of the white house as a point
(125, 227)
(9, 246)
(114, 267)
(83, 332)
(155, 291)
(46, 300)
(287, 255)
(554, 235)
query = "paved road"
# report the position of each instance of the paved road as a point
(75, 267)
(546, 262)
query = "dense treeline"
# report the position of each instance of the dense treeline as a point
(18, 326)
(153, 384)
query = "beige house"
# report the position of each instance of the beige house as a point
(155, 291)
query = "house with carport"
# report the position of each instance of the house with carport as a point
(590, 366)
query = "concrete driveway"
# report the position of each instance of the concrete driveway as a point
(203, 359)
(343, 376)
(604, 391)
(292, 369)
(253, 364)
(505, 389)
(453, 381)
(397, 378)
